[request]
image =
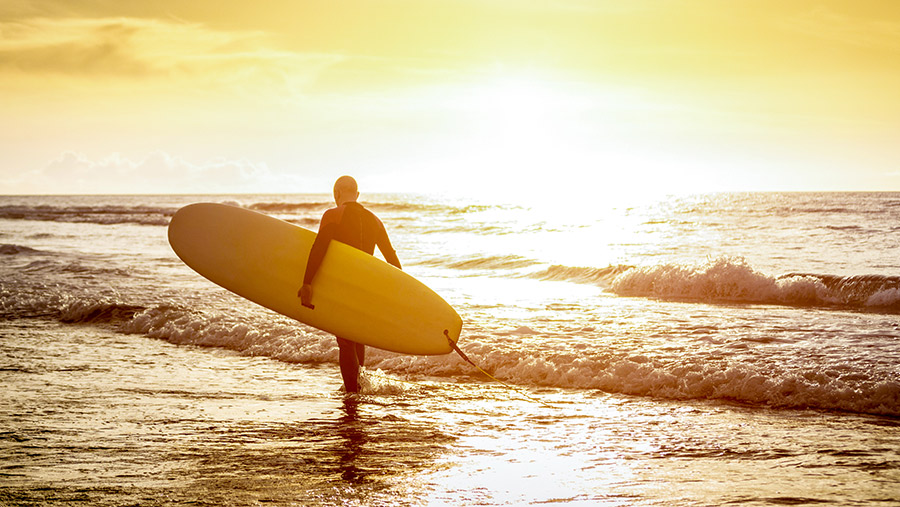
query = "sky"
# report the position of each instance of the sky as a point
(570, 98)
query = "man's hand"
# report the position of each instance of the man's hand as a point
(305, 295)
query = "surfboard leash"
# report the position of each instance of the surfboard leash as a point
(507, 385)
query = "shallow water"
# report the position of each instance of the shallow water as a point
(114, 419)
(662, 378)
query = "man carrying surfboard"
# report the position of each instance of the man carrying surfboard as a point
(354, 225)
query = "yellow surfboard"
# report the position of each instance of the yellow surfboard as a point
(355, 295)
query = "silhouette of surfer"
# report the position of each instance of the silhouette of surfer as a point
(353, 224)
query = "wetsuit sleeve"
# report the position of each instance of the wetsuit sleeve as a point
(327, 229)
(385, 247)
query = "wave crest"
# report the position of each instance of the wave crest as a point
(7, 249)
(98, 312)
(588, 275)
(729, 279)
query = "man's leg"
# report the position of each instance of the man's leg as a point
(349, 357)
(361, 354)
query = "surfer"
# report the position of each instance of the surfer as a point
(353, 224)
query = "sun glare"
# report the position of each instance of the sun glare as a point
(519, 127)
(544, 139)
(514, 99)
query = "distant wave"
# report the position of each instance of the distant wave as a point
(517, 266)
(289, 207)
(42, 261)
(427, 207)
(479, 262)
(104, 215)
(7, 249)
(598, 276)
(75, 268)
(142, 215)
(160, 216)
(844, 227)
(377, 206)
(733, 280)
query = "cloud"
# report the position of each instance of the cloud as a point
(158, 172)
(821, 22)
(153, 50)
(45, 46)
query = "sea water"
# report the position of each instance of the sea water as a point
(693, 350)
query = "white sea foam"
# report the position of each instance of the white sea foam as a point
(730, 279)
(50, 269)
(695, 377)
(888, 298)
(619, 367)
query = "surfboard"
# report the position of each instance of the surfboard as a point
(355, 295)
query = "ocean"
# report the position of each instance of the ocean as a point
(709, 349)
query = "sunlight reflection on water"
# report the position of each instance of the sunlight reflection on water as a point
(148, 422)
(127, 379)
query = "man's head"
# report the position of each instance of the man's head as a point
(345, 190)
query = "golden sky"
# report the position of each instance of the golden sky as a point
(457, 96)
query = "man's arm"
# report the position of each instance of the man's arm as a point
(317, 252)
(316, 255)
(391, 257)
(386, 249)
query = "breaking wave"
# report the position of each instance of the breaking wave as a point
(733, 280)
(615, 367)
(722, 280)
(695, 377)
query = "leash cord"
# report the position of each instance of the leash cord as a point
(508, 386)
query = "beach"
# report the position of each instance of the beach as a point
(692, 350)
